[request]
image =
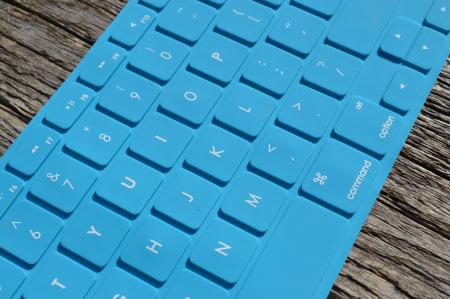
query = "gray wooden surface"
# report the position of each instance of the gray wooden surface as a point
(404, 248)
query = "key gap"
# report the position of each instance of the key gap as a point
(217, 6)
(356, 146)
(239, 224)
(233, 37)
(15, 260)
(321, 203)
(78, 259)
(138, 274)
(296, 132)
(81, 158)
(203, 174)
(311, 11)
(268, 176)
(46, 206)
(236, 132)
(87, 84)
(155, 8)
(178, 118)
(118, 43)
(172, 222)
(174, 36)
(207, 275)
(270, 5)
(260, 88)
(115, 116)
(285, 48)
(146, 161)
(205, 76)
(345, 49)
(113, 207)
(145, 75)
(18, 174)
(321, 89)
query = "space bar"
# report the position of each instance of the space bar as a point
(294, 261)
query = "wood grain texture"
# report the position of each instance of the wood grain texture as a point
(403, 250)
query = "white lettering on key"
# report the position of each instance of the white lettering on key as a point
(162, 139)
(35, 234)
(216, 153)
(15, 224)
(216, 56)
(221, 250)
(190, 96)
(129, 183)
(246, 110)
(189, 197)
(386, 126)
(93, 231)
(154, 246)
(359, 180)
(271, 148)
(320, 179)
(254, 201)
(297, 106)
(68, 184)
(57, 283)
(35, 149)
(165, 55)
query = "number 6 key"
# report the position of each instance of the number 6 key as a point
(96, 137)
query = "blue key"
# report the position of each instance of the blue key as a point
(332, 70)
(10, 187)
(62, 182)
(131, 24)
(158, 56)
(35, 146)
(155, 4)
(302, 246)
(406, 90)
(94, 233)
(271, 3)
(12, 279)
(58, 277)
(340, 176)
(400, 38)
(128, 96)
(297, 31)
(161, 141)
(96, 137)
(360, 24)
(217, 153)
(118, 284)
(224, 251)
(308, 112)
(67, 104)
(281, 156)
(245, 110)
(324, 8)
(218, 58)
(190, 285)
(427, 50)
(244, 20)
(272, 69)
(187, 199)
(155, 249)
(439, 16)
(186, 19)
(100, 64)
(190, 98)
(254, 202)
(128, 185)
(369, 126)
(26, 231)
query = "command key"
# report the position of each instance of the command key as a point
(340, 176)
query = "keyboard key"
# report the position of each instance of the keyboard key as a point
(26, 231)
(217, 153)
(13, 278)
(187, 199)
(308, 112)
(128, 185)
(186, 19)
(224, 251)
(400, 38)
(297, 31)
(190, 98)
(62, 182)
(10, 187)
(368, 125)
(316, 233)
(244, 20)
(58, 277)
(218, 58)
(67, 104)
(190, 285)
(282, 156)
(155, 249)
(340, 176)
(100, 64)
(405, 91)
(360, 24)
(161, 141)
(36, 144)
(332, 70)
(324, 8)
(96, 137)
(158, 56)
(128, 96)
(245, 110)
(131, 24)
(118, 284)
(427, 50)
(439, 16)
(94, 233)
(155, 4)
(272, 69)
(253, 202)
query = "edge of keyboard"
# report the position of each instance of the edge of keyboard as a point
(355, 223)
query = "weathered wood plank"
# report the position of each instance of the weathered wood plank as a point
(404, 248)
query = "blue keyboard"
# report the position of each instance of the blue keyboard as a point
(216, 149)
